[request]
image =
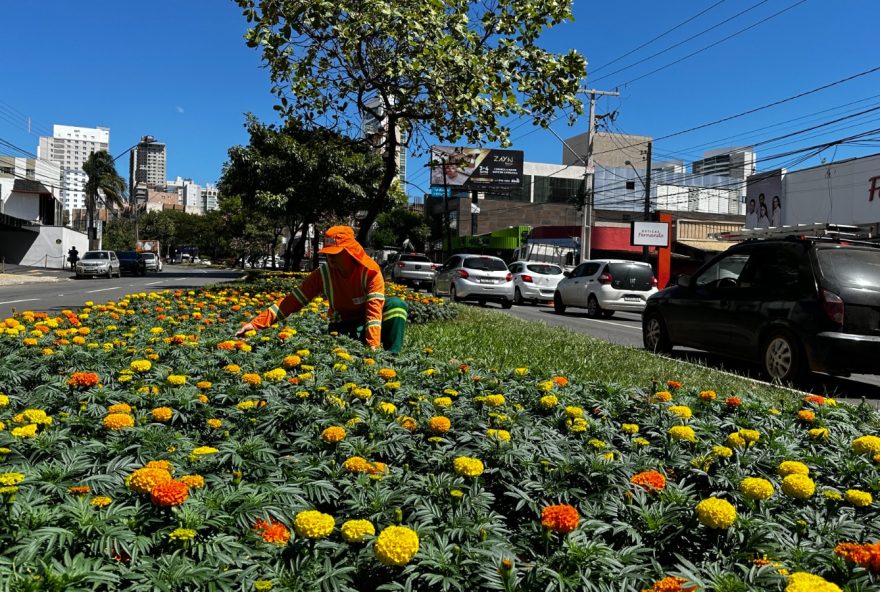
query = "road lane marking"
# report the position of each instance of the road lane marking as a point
(23, 300)
(153, 283)
(103, 290)
(616, 324)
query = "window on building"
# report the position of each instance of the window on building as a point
(556, 190)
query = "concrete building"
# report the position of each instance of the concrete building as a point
(30, 190)
(609, 150)
(734, 163)
(147, 164)
(162, 200)
(374, 126)
(210, 198)
(69, 147)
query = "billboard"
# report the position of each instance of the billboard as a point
(764, 200)
(476, 169)
(649, 234)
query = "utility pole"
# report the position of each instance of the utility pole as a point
(590, 175)
(645, 253)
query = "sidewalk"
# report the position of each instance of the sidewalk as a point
(14, 275)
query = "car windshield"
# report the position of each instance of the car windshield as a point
(126, 254)
(421, 258)
(851, 268)
(148, 255)
(485, 264)
(633, 276)
(544, 268)
(96, 255)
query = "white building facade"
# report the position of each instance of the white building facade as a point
(69, 147)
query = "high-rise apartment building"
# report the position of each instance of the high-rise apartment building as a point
(147, 164)
(69, 147)
(210, 198)
(374, 129)
(735, 163)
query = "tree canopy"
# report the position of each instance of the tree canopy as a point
(452, 68)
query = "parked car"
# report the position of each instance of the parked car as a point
(792, 305)
(132, 262)
(153, 261)
(414, 269)
(475, 277)
(534, 280)
(604, 286)
(104, 263)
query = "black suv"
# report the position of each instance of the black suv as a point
(791, 304)
(131, 262)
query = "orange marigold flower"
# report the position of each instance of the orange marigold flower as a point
(273, 532)
(408, 423)
(806, 415)
(673, 384)
(733, 401)
(560, 380)
(83, 380)
(160, 464)
(291, 362)
(119, 408)
(79, 489)
(333, 434)
(815, 399)
(708, 395)
(169, 493)
(252, 379)
(193, 481)
(161, 414)
(118, 421)
(866, 555)
(653, 481)
(356, 464)
(387, 373)
(145, 479)
(439, 424)
(670, 584)
(560, 518)
(663, 396)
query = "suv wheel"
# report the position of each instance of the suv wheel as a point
(654, 335)
(506, 303)
(558, 304)
(593, 308)
(782, 358)
(452, 295)
(517, 297)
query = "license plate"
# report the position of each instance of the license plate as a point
(418, 266)
(632, 298)
(483, 281)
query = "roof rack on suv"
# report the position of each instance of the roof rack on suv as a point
(814, 230)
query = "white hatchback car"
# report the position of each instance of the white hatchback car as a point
(605, 286)
(534, 280)
(475, 277)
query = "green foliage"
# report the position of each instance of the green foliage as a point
(398, 224)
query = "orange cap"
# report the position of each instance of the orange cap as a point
(339, 238)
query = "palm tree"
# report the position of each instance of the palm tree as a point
(103, 178)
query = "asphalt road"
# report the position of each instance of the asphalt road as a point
(626, 329)
(68, 292)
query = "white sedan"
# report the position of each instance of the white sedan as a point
(534, 280)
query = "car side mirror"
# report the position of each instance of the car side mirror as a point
(566, 273)
(683, 280)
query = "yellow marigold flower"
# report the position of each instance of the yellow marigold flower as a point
(468, 466)
(756, 488)
(333, 434)
(442, 402)
(716, 513)
(119, 408)
(245, 405)
(439, 424)
(161, 414)
(2, 426)
(263, 585)
(818, 433)
(275, 375)
(500, 435)
(145, 479)
(392, 385)
(141, 365)
(429, 372)
(597, 444)
(100, 501)
(735, 440)
(11, 478)
(252, 379)
(682, 411)
(356, 531)
(214, 423)
(573, 412)
(176, 379)
(450, 392)
(708, 395)
(548, 401)
(387, 408)
(37, 416)
(866, 445)
(160, 464)
(494, 400)
(232, 368)
(313, 524)
(859, 499)
(722, 451)
(203, 451)
(798, 486)
(303, 353)
(356, 464)
(683, 433)
(630, 428)
(396, 545)
(641, 442)
(663, 396)
(546, 385)
(750, 436)
(408, 423)
(801, 581)
(361, 393)
(577, 424)
(193, 481)
(28, 431)
(792, 467)
(182, 534)
(118, 421)
(204, 385)
(336, 401)
(832, 495)
(387, 373)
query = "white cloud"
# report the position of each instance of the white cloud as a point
(179, 109)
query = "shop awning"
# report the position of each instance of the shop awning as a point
(713, 246)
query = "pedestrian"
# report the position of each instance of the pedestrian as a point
(72, 257)
(353, 285)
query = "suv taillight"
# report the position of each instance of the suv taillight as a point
(400, 265)
(653, 281)
(832, 304)
(463, 274)
(433, 267)
(606, 278)
(526, 278)
(509, 277)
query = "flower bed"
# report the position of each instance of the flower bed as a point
(142, 447)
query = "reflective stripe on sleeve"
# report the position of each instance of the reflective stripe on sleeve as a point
(374, 323)
(375, 296)
(300, 297)
(276, 312)
(328, 285)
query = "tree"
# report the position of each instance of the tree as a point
(395, 226)
(454, 68)
(102, 180)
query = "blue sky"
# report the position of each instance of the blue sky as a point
(179, 70)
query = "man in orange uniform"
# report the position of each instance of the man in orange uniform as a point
(355, 290)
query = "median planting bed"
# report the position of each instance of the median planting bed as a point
(143, 447)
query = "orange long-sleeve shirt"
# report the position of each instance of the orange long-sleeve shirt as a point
(358, 297)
